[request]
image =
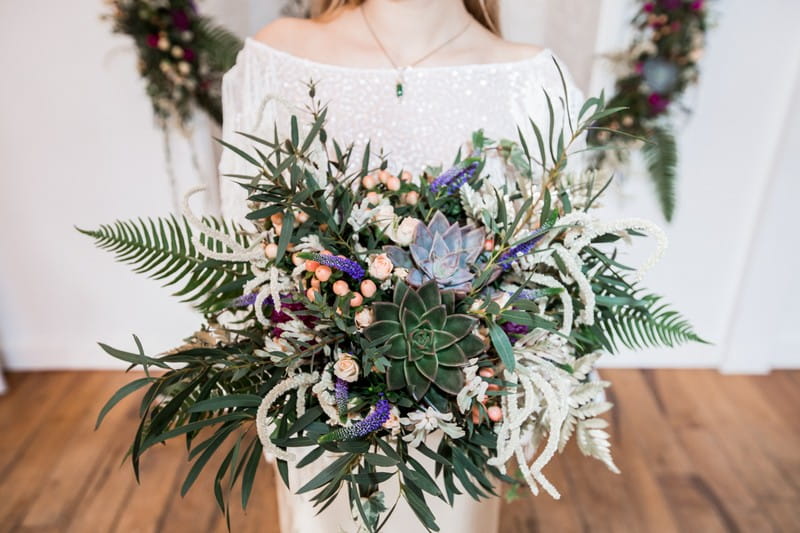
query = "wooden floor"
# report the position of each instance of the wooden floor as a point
(699, 452)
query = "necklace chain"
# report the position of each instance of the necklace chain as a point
(400, 70)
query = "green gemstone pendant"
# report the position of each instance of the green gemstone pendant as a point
(400, 85)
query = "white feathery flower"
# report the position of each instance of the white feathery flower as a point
(263, 419)
(474, 387)
(323, 389)
(427, 421)
(310, 243)
(360, 215)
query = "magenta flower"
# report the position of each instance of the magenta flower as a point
(152, 40)
(697, 5)
(180, 19)
(649, 7)
(188, 54)
(658, 103)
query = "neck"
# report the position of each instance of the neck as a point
(409, 28)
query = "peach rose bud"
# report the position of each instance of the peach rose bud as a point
(383, 176)
(368, 288)
(369, 181)
(311, 266)
(271, 250)
(340, 288)
(495, 413)
(486, 372)
(323, 273)
(393, 184)
(356, 300)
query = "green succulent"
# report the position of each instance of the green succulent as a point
(426, 342)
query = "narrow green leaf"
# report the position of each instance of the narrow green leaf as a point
(124, 391)
(502, 345)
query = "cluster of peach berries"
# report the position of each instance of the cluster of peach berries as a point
(390, 182)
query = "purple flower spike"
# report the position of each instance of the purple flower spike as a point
(455, 177)
(348, 266)
(362, 428)
(341, 394)
(515, 330)
(245, 301)
(508, 258)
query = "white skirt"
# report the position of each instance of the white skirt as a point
(298, 515)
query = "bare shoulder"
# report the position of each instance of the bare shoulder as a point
(289, 34)
(512, 51)
(495, 49)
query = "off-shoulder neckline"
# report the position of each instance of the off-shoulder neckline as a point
(264, 47)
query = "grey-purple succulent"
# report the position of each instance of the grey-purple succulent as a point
(441, 252)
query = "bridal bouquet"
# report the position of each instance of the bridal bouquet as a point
(372, 320)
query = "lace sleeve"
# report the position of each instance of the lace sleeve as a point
(234, 113)
(245, 108)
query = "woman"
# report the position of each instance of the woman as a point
(414, 77)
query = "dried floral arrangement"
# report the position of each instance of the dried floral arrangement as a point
(182, 54)
(660, 64)
(373, 319)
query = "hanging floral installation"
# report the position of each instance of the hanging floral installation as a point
(661, 63)
(182, 55)
(182, 58)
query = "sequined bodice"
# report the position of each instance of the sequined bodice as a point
(439, 109)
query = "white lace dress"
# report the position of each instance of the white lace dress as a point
(439, 110)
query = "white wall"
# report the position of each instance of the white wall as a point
(77, 146)
(729, 238)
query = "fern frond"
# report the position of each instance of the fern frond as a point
(219, 43)
(650, 323)
(592, 439)
(661, 156)
(163, 250)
